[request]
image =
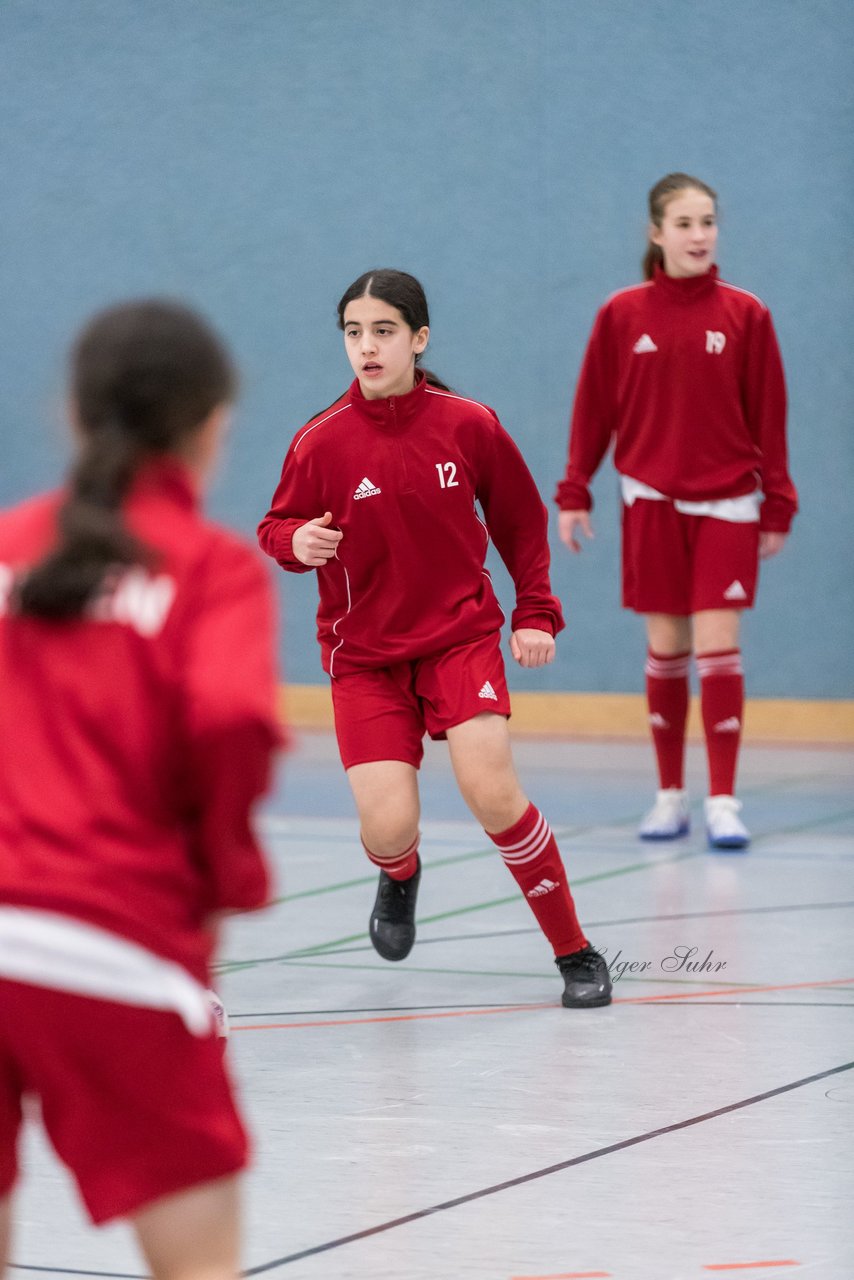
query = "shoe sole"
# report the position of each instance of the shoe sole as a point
(664, 835)
(734, 845)
(598, 1003)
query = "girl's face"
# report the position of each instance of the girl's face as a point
(381, 347)
(688, 234)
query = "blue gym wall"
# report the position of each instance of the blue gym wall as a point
(255, 156)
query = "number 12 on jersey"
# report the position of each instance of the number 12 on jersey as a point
(447, 472)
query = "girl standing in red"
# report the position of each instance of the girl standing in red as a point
(137, 727)
(684, 374)
(378, 496)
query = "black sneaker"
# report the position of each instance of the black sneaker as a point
(392, 926)
(586, 978)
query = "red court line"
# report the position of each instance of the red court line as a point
(736, 991)
(745, 1266)
(397, 1017)
(568, 1275)
(521, 1008)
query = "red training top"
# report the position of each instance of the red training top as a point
(401, 477)
(135, 741)
(686, 375)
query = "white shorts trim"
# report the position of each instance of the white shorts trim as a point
(743, 510)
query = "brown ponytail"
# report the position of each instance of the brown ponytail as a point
(144, 377)
(659, 197)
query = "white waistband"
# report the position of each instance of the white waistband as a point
(56, 951)
(743, 510)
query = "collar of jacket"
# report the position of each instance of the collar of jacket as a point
(687, 288)
(394, 413)
(169, 477)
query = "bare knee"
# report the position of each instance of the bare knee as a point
(386, 795)
(485, 773)
(668, 633)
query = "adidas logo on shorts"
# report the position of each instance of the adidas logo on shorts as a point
(488, 692)
(735, 591)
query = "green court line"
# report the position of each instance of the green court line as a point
(232, 966)
(806, 826)
(564, 833)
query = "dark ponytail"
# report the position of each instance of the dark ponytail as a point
(144, 377)
(401, 291)
(659, 197)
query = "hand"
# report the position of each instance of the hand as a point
(532, 648)
(568, 522)
(770, 543)
(315, 543)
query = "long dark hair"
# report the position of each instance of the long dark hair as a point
(399, 290)
(145, 375)
(659, 197)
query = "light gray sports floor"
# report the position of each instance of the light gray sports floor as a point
(446, 1119)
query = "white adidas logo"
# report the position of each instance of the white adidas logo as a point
(545, 886)
(658, 721)
(644, 344)
(732, 725)
(735, 591)
(366, 489)
(488, 692)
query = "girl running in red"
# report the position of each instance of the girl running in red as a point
(137, 728)
(378, 497)
(684, 373)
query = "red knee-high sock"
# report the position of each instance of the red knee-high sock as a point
(398, 866)
(667, 699)
(530, 852)
(722, 704)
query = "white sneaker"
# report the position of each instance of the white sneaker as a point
(723, 825)
(668, 817)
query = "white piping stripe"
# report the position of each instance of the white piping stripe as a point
(630, 288)
(308, 430)
(341, 619)
(724, 284)
(447, 395)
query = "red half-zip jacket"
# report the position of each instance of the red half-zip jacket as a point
(401, 477)
(685, 375)
(135, 742)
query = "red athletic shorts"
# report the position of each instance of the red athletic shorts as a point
(383, 713)
(134, 1105)
(679, 564)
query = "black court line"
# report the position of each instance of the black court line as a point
(534, 1004)
(476, 1195)
(71, 1271)
(383, 1008)
(541, 1173)
(588, 924)
(608, 924)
